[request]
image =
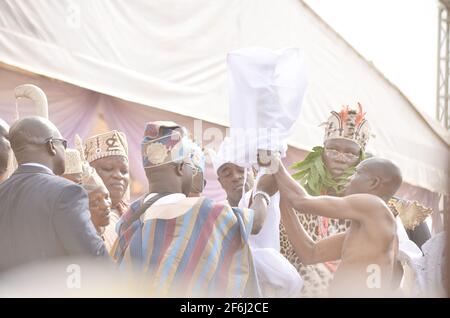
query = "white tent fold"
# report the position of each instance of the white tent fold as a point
(171, 55)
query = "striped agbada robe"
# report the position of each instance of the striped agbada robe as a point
(202, 252)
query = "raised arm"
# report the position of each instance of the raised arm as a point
(350, 207)
(268, 185)
(309, 252)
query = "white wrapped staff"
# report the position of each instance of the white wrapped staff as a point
(39, 98)
(35, 94)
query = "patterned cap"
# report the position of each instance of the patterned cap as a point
(89, 176)
(90, 179)
(165, 142)
(348, 124)
(73, 162)
(111, 143)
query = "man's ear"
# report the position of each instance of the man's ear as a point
(179, 169)
(51, 148)
(220, 181)
(375, 183)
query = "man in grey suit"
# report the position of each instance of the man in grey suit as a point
(42, 216)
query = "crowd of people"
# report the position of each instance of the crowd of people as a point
(334, 228)
(73, 202)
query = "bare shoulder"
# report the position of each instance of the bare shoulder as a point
(374, 206)
(365, 200)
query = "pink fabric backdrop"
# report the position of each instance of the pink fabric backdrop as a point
(75, 110)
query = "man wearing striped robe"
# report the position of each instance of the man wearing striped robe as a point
(183, 247)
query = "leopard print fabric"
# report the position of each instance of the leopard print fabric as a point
(317, 277)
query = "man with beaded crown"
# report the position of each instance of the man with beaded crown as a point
(325, 171)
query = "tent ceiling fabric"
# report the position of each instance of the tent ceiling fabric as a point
(171, 55)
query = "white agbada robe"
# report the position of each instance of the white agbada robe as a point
(276, 275)
(406, 246)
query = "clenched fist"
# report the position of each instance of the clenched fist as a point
(267, 184)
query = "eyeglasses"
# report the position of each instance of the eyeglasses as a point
(194, 169)
(346, 155)
(63, 141)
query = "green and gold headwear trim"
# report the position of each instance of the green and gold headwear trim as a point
(315, 177)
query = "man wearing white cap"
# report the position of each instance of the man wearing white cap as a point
(78, 170)
(266, 90)
(276, 275)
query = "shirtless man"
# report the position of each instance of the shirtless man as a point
(368, 248)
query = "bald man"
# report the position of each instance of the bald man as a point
(42, 215)
(367, 250)
(5, 150)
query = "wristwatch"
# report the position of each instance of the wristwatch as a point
(264, 195)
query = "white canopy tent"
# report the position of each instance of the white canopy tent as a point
(170, 55)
